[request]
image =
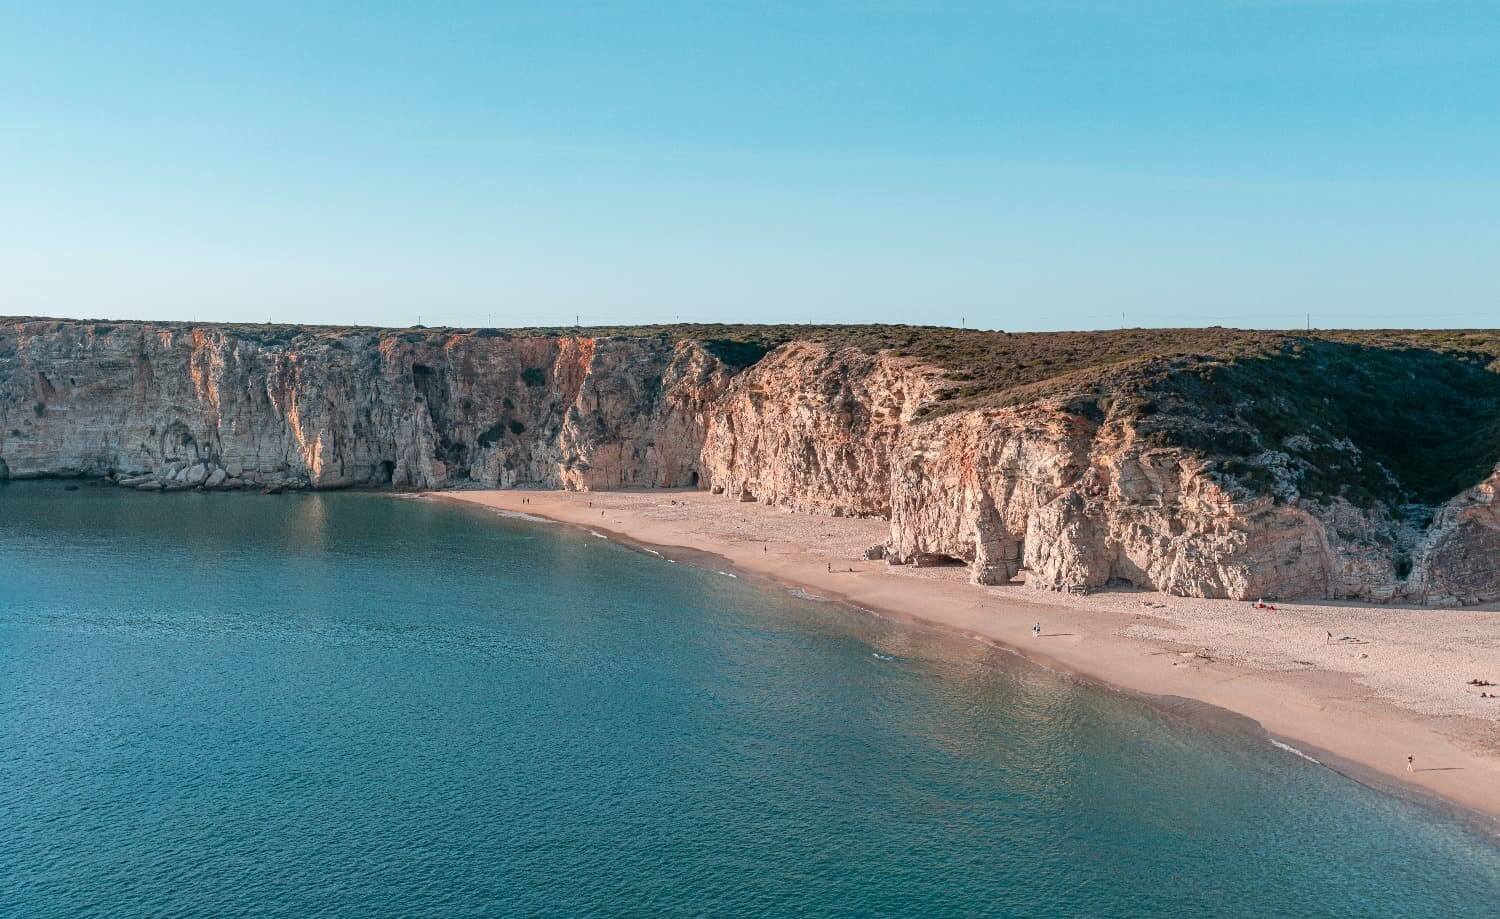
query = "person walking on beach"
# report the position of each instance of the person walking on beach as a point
(1036, 630)
(1411, 764)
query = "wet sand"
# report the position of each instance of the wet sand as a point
(1391, 682)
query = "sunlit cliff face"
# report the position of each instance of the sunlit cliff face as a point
(1038, 490)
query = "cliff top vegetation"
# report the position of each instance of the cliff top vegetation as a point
(981, 363)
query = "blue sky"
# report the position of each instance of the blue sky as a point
(1034, 164)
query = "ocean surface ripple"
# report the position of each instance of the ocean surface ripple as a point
(344, 705)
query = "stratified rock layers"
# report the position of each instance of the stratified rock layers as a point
(1073, 502)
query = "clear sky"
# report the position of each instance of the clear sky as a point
(1032, 164)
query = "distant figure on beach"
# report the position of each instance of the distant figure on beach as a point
(1036, 630)
(830, 567)
(1330, 638)
(1411, 764)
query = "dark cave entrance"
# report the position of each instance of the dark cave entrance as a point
(936, 560)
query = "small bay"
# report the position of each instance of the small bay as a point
(358, 704)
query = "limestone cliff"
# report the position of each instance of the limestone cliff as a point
(175, 406)
(1082, 505)
(812, 429)
(1271, 471)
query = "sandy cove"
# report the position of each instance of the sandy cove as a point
(1391, 682)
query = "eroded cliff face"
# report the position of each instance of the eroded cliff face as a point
(812, 429)
(1044, 491)
(1457, 560)
(1083, 505)
(172, 406)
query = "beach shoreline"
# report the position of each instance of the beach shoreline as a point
(1331, 704)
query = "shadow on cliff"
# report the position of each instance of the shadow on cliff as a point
(1425, 423)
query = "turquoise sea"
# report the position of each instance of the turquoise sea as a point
(362, 705)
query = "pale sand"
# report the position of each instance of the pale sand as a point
(1363, 705)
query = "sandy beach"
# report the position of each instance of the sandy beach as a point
(1359, 688)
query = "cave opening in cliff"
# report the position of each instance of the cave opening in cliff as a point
(178, 443)
(387, 472)
(937, 560)
(693, 478)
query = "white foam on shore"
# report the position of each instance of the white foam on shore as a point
(802, 594)
(652, 551)
(518, 515)
(728, 575)
(598, 534)
(1293, 750)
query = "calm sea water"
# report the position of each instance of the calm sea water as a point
(357, 705)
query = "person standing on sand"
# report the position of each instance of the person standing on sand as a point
(1411, 764)
(1036, 630)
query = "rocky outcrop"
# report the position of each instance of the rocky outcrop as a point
(1079, 506)
(1063, 493)
(1458, 559)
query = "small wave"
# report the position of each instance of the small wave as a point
(1293, 750)
(728, 575)
(518, 515)
(652, 551)
(801, 594)
(884, 657)
(598, 534)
